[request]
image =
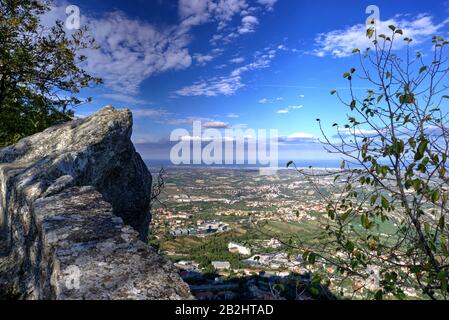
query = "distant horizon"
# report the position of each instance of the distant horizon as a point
(316, 163)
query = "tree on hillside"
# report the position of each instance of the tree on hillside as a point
(387, 208)
(40, 70)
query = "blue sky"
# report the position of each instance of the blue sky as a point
(261, 64)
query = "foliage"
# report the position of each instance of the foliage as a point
(40, 70)
(394, 147)
(215, 249)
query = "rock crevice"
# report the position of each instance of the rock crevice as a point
(74, 206)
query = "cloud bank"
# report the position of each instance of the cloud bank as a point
(340, 43)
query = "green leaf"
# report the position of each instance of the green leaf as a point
(435, 196)
(311, 258)
(350, 246)
(441, 223)
(379, 295)
(385, 203)
(316, 279)
(424, 68)
(314, 291)
(392, 27)
(418, 155)
(353, 104)
(333, 92)
(416, 184)
(345, 215)
(370, 33)
(289, 164)
(444, 249)
(422, 147)
(343, 164)
(365, 221)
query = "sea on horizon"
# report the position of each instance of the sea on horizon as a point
(318, 164)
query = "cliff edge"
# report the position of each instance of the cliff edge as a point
(74, 204)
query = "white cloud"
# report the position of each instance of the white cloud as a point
(130, 50)
(300, 135)
(287, 109)
(202, 59)
(123, 98)
(269, 4)
(302, 96)
(144, 138)
(228, 85)
(297, 138)
(349, 132)
(240, 126)
(340, 43)
(196, 12)
(282, 47)
(212, 87)
(232, 115)
(186, 121)
(237, 60)
(249, 24)
(148, 113)
(205, 122)
(265, 100)
(223, 12)
(216, 125)
(194, 138)
(217, 139)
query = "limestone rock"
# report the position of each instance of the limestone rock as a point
(74, 204)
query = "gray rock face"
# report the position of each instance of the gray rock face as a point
(74, 201)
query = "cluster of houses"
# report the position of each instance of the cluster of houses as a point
(272, 243)
(276, 261)
(202, 229)
(219, 288)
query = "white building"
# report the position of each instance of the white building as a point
(274, 243)
(274, 261)
(235, 247)
(221, 265)
(187, 265)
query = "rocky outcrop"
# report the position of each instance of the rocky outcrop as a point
(74, 207)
